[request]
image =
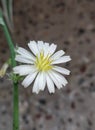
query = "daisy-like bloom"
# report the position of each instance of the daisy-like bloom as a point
(41, 66)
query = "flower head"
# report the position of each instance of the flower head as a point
(41, 66)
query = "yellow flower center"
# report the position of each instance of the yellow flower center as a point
(43, 63)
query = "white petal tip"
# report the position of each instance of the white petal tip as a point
(24, 85)
(35, 91)
(42, 89)
(52, 92)
(69, 58)
(65, 84)
(32, 42)
(68, 72)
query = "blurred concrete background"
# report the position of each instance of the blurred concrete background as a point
(71, 25)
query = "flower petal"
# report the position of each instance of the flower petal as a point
(22, 59)
(29, 79)
(57, 55)
(55, 80)
(62, 60)
(59, 77)
(61, 70)
(52, 49)
(33, 47)
(40, 45)
(23, 52)
(46, 48)
(24, 69)
(36, 84)
(42, 81)
(50, 84)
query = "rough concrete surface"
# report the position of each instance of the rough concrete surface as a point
(71, 25)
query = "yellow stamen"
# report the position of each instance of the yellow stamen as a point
(43, 63)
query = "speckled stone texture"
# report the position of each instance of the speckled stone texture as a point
(71, 25)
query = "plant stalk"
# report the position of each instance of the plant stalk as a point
(15, 83)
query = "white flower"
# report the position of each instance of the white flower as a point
(41, 65)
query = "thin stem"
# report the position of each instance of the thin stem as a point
(11, 46)
(15, 83)
(15, 108)
(9, 39)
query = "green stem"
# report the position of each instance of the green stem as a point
(15, 83)
(10, 44)
(15, 108)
